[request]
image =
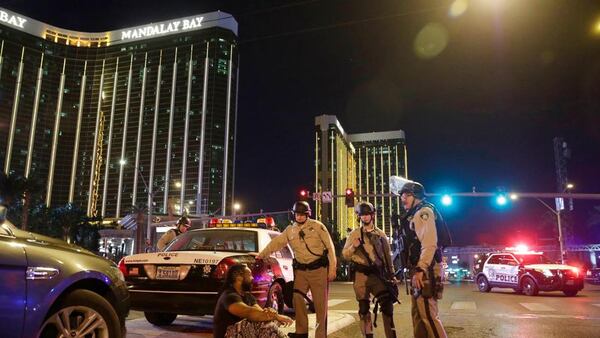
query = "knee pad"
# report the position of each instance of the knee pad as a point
(363, 307)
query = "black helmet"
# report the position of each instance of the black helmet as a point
(184, 221)
(364, 208)
(414, 188)
(301, 207)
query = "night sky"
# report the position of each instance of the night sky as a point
(479, 110)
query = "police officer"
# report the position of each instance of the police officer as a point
(314, 264)
(183, 224)
(369, 250)
(422, 257)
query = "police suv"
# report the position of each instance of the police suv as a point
(527, 272)
(186, 278)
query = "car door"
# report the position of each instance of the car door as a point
(491, 269)
(512, 269)
(13, 297)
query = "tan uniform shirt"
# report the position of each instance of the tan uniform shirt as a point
(167, 238)
(378, 241)
(423, 223)
(316, 237)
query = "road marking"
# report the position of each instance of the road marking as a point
(335, 302)
(469, 306)
(598, 305)
(537, 307)
(541, 316)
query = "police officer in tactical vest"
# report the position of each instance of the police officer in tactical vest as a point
(314, 265)
(183, 224)
(422, 256)
(367, 247)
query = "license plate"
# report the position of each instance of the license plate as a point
(570, 282)
(167, 272)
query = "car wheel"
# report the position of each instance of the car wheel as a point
(482, 284)
(82, 313)
(570, 293)
(159, 318)
(529, 287)
(275, 298)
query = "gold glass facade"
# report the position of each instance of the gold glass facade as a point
(362, 162)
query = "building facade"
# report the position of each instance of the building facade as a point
(380, 155)
(142, 115)
(335, 171)
(361, 162)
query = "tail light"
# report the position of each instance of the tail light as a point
(222, 268)
(123, 267)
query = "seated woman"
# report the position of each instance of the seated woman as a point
(238, 315)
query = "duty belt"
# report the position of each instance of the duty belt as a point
(365, 269)
(321, 262)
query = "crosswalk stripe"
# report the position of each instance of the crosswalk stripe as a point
(334, 302)
(537, 307)
(470, 306)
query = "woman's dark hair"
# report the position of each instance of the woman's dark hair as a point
(233, 272)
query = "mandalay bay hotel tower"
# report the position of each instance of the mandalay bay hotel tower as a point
(107, 120)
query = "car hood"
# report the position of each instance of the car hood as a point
(181, 257)
(550, 266)
(35, 238)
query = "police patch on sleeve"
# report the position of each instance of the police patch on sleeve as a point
(424, 216)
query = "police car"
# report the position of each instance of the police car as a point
(188, 276)
(527, 272)
(592, 276)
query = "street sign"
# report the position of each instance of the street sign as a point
(326, 196)
(560, 203)
(316, 196)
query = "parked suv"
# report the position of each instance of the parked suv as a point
(50, 288)
(527, 272)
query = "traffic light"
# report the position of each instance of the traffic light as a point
(446, 200)
(349, 198)
(304, 195)
(501, 200)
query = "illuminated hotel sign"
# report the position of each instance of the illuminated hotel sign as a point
(162, 28)
(13, 20)
(125, 35)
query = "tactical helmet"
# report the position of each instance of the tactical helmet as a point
(414, 188)
(364, 208)
(184, 221)
(301, 207)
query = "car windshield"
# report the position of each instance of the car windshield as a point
(216, 240)
(533, 259)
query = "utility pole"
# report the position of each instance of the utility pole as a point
(561, 154)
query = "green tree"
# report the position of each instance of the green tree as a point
(20, 193)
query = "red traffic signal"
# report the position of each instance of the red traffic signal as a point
(349, 198)
(304, 195)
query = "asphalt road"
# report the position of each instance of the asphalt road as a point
(464, 311)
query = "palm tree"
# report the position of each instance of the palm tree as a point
(18, 190)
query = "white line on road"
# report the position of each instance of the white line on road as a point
(334, 302)
(469, 306)
(537, 307)
(598, 305)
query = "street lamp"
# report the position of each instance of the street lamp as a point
(236, 208)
